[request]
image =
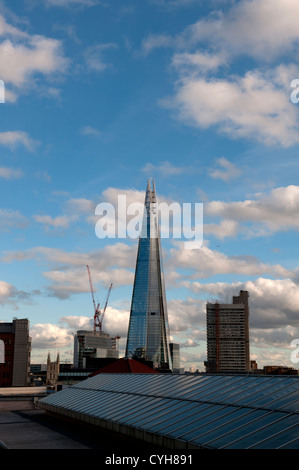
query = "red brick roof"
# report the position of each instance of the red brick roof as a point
(125, 366)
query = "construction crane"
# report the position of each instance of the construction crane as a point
(98, 315)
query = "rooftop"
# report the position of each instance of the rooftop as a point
(188, 411)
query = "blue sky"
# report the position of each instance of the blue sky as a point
(101, 95)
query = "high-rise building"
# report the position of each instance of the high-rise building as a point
(16, 343)
(175, 357)
(89, 345)
(228, 336)
(148, 334)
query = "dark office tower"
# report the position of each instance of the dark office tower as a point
(243, 299)
(228, 336)
(148, 334)
(16, 342)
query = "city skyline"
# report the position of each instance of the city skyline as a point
(100, 96)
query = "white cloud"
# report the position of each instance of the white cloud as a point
(273, 302)
(70, 3)
(200, 61)
(24, 57)
(62, 221)
(6, 291)
(75, 323)
(75, 281)
(277, 211)
(91, 131)
(43, 176)
(226, 228)
(10, 295)
(262, 29)
(165, 169)
(10, 173)
(94, 57)
(13, 139)
(253, 106)
(155, 41)
(186, 316)
(10, 219)
(228, 172)
(205, 262)
(67, 271)
(118, 254)
(50, 336)
(80, 206)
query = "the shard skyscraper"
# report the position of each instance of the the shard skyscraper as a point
(148, 334)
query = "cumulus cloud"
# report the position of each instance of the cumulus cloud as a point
(155, 41)
(11, 173)
(10, 219)
(165, 169)
(69, 3)
(253, 106)
(227, 172)
(226, 228)
(186, 315)
(273, 28)
(199, 61)
(50, 336)
(74, 281)
(273, 302)
(60, 222)
(91, 131)
(23, 57)
(205, 262)
(13, 139)
(10, 295)
(67, 271)
(61, 335)
(276, 211)
(94, 57)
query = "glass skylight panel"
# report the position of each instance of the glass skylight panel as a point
(163, 409)
(201, 387)
(254, 431)
(282, 437)
(205, 393)
(212, 421)
(278, 397)
(122, 402)
(198, 419)
(288, 404)
(292, 444)
(245, 385)
(229, 387)
(259, 390)
(134, 408)
(124, 413)
(160, 387)
(277, 431)
(222, 428)
(176, 420)
(181, 411)
(155, 404)
(270, 395)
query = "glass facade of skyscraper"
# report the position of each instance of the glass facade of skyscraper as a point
(148, 328)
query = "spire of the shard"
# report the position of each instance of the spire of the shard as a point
(148, 327)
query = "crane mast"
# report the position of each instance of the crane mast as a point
(98, 315)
